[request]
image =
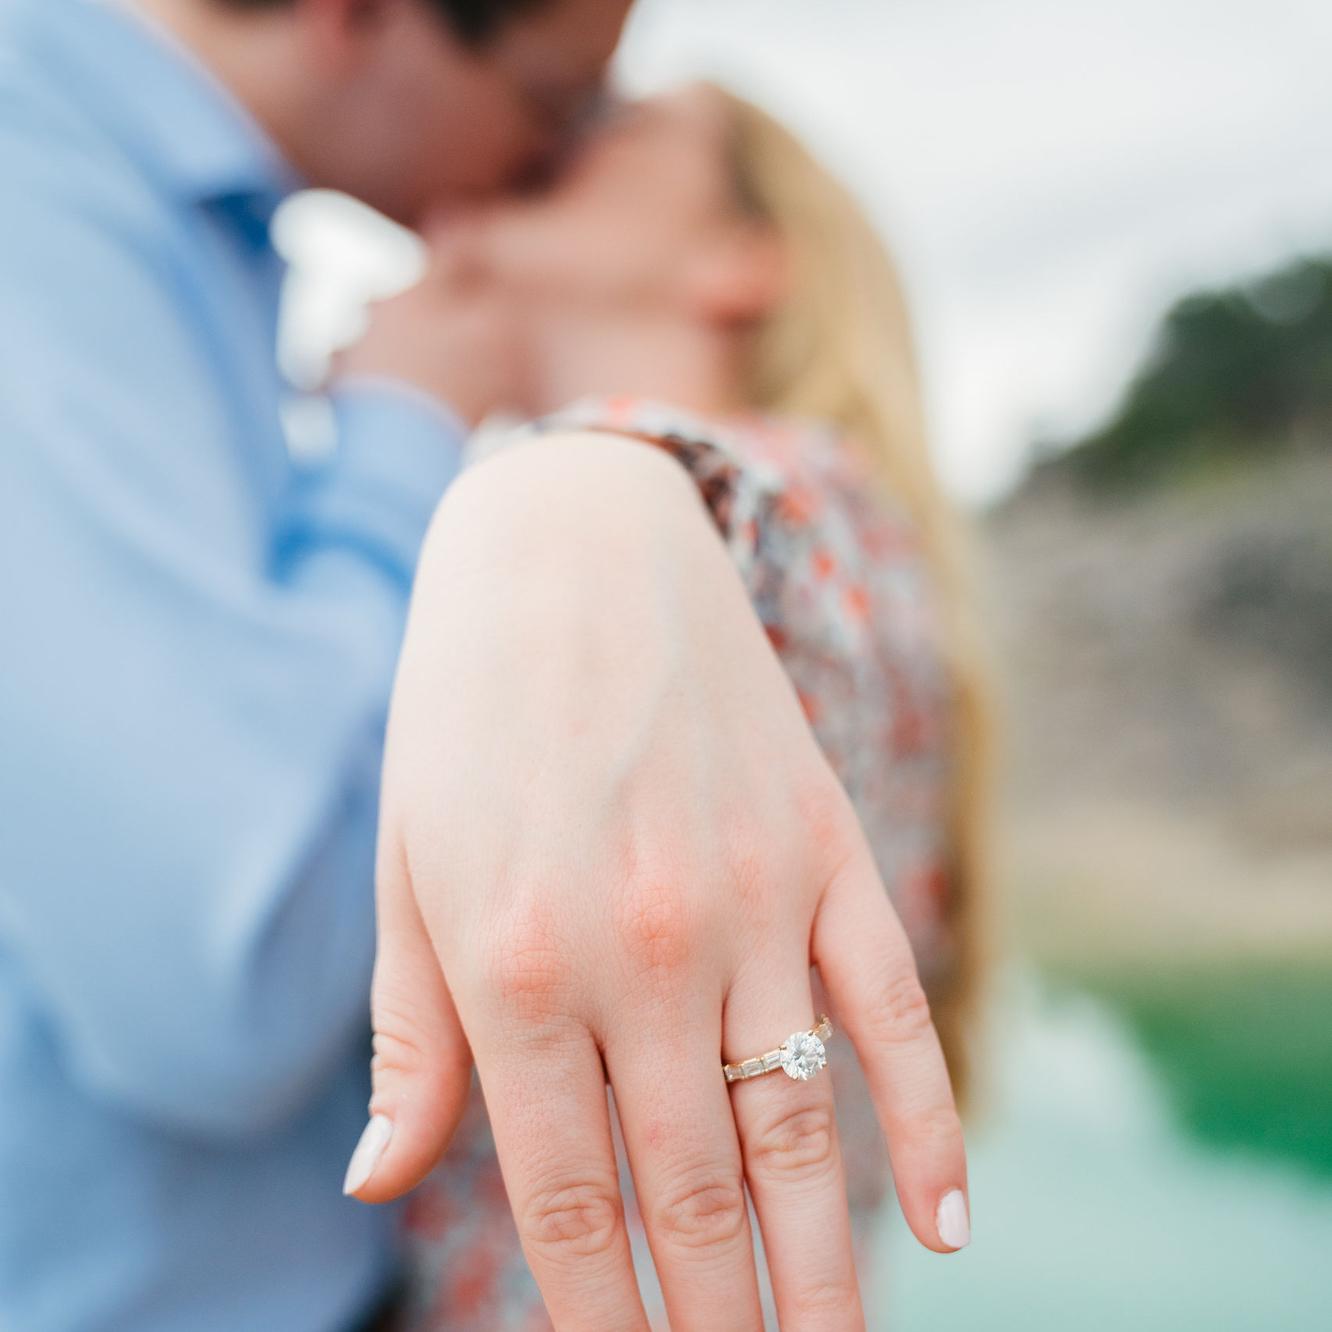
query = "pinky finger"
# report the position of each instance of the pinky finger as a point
(870, 974)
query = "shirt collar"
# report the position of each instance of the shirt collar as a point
(167, 109)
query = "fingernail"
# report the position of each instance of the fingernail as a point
(374, 1138)
(952, 1221)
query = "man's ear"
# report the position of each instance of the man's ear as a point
(739, 275)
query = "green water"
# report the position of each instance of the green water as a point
(1243, 1051)
(1156, 1159)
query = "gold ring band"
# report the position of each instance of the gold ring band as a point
(800, 1056)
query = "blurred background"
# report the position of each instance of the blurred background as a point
(1115, 222)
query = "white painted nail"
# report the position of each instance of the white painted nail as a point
(952, 1221)
(374, 1139)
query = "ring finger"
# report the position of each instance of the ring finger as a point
(788, 1136)
(687, 1169)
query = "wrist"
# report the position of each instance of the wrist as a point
(569, 497)
(581, 471)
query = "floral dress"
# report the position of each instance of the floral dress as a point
(838, 580)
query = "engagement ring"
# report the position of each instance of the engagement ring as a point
(799, 1056)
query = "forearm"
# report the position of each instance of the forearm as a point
(397, 451)
(224, 819)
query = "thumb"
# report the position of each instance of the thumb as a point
(421, 1068)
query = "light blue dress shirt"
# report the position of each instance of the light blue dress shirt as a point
(197, 640)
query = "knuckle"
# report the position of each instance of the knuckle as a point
(899, 1012)
(400, 1042)
(935, 1130)
(844, 858)
(704, 1212)
(828, 1303)
(578, 1218)
(656, 928)
(394, 1051)
(527, 970)
(406, 1051)
(796, 1144)
(828, 818)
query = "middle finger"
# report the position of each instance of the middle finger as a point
(545, 1093)
(688, 1176)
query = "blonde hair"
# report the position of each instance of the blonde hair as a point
(839, 347)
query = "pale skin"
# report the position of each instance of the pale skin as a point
(610, 849)
(613, 854)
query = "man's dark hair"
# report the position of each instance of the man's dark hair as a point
(475, 21)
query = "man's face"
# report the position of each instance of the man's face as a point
(430, 122)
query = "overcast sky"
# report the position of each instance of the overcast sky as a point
(1050, 172)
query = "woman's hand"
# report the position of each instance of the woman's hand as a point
(610, 851)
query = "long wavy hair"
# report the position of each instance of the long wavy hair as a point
(839, 347)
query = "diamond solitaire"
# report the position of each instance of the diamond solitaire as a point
(803, 1055)
(800, 1056)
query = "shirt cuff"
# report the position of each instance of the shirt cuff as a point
(397, 451)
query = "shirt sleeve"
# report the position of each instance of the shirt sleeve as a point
(194, 687)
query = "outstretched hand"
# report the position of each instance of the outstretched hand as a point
(611, 850)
